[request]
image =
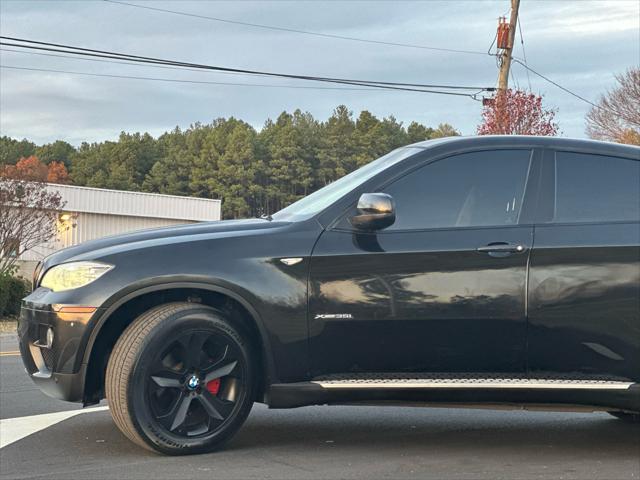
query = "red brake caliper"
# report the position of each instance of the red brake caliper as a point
(213, 386)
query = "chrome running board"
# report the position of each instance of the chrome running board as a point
(459, 388)
(479, 383)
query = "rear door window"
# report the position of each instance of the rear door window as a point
(596, 188)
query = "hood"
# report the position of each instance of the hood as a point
(205, 228)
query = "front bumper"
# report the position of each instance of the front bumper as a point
(57, 370)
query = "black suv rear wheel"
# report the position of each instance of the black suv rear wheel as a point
(180, 379)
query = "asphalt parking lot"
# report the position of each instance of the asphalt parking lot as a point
(318, 442)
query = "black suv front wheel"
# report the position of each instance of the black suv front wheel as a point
(180, 379)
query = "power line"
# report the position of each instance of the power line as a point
(294, 30)
(345, 82)
(116, 62)
(556, 84)
(524, 53)
(68, 49)
(175, 80)
(515, 21)
(206, 82)
(177, 67)
(143, 59)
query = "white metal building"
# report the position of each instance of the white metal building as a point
(95, 212)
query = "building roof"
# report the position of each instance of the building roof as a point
(136, 204)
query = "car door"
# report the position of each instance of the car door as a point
(584, 301)
(441, 290)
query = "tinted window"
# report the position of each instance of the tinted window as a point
(472, 189)
(321, 199)
(596, 188)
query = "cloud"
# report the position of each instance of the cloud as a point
(580, 44)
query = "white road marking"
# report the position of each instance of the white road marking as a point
(14, 429)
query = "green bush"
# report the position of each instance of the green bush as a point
(12, 291)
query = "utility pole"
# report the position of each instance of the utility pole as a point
(505, 54)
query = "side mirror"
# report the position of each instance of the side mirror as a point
(375, 212)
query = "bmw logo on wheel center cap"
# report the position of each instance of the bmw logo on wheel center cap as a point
(193, 382)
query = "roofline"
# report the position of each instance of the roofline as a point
(133, 192)
(532, 140)
(126, 203)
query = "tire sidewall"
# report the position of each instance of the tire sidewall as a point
(193, 319)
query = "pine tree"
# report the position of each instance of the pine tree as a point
(367, 138)
(392, 136)
(253, 173)
(237, 173)
(289, 169)
(11, 150)
(209, 143)
(172, 173)
(336, 155)
(58, 151)
(417, 132)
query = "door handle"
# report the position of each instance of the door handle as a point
(502, 248)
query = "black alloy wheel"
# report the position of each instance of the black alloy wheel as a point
(180, 379)
(194, 383)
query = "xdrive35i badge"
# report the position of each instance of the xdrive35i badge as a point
(333, 315)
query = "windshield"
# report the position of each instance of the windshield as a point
(320, 199)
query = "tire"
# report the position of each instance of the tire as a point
(180, 379)
(626, 416)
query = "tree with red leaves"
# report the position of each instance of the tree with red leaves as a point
(514, 112)
(32, 169)
(57, 173)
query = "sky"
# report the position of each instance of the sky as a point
(580, 44)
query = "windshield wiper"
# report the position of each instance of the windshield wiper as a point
(267, 217)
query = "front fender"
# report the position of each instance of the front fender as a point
(157, 284)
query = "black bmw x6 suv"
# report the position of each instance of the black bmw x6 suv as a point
(462, 272)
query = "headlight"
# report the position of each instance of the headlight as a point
(72, 275)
